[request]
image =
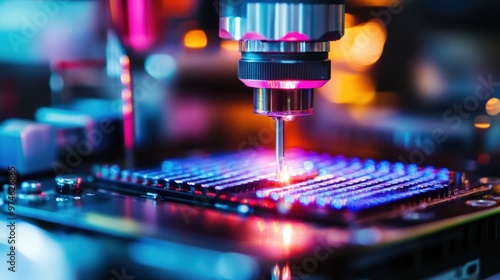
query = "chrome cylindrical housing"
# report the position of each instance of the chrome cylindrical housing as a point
(282, 102)
(288, 20)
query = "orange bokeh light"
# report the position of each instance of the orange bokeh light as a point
(349, 20)
(230, 45)
(349, 88)
(195, 39)
(493, 106)
(361, 46)
(482, 122)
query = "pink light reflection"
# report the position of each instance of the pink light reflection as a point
(284, 84)
(139, 37)
(253, 36)
(224, 34)
(280, 238)
(295, 36)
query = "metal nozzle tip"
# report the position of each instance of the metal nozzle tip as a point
(280, 148)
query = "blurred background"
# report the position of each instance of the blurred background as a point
(416, 81)
(412, 81)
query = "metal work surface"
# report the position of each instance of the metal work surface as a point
(360, 212)
(327, 187)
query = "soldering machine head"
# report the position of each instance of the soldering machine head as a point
(284, 46)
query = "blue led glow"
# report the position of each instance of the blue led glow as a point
(105, 171)
(321, 201)
(167, 165)
(337, 203)
(289, 198)
(160, 66)
(429, 172)
(243, 209)
(304, 200)
(336, 183)
(114, 170)
(308, 165)
(338, 158)
(429, 169)
(384, 166)
(443, 175)
(412, 169)
(274, 196)
(398, 166)
(369, 163)
(323, 171)
(260, 194)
